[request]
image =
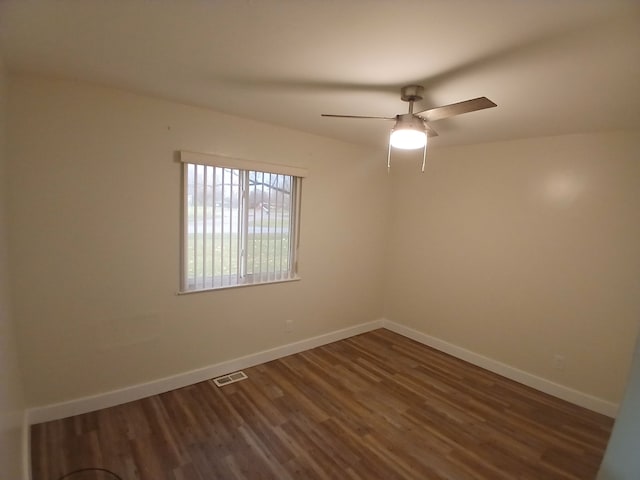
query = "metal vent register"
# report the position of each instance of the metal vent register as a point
(230, 378)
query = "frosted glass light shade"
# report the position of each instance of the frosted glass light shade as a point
(408, 139)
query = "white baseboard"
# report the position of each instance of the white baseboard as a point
(116, 397)
(128, 394)
(565, 393)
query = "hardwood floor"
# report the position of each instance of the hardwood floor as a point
(374, 406)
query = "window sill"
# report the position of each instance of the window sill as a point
(242, 285)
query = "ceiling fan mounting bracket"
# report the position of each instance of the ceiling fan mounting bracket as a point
(411, 93)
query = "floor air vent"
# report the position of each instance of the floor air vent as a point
(231, 378)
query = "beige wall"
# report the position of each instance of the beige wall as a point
(95, 207)
(11, 395)
(522, 250)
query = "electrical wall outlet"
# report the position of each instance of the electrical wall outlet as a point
(288, 325)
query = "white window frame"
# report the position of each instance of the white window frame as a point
(244, 166)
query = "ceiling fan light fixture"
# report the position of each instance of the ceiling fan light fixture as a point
(408, 133)
(407, 139)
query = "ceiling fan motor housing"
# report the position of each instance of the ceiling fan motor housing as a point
(408, 121)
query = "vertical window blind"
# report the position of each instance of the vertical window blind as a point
(240, 225)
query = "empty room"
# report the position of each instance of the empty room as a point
(305, 239)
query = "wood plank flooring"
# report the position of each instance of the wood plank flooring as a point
(374, 406)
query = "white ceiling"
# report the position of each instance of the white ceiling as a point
(552, 66)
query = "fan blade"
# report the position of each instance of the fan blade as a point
(430, 131)
(357, 116)
(446, 111)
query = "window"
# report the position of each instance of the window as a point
(240, 222)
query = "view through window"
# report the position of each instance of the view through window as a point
(240, 227)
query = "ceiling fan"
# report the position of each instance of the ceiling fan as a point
(412, 129)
